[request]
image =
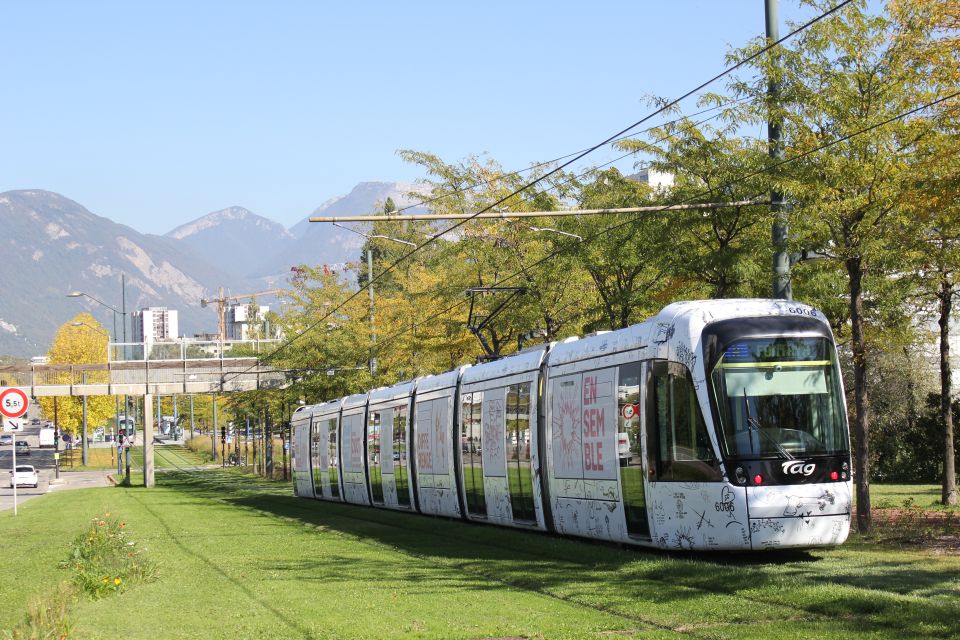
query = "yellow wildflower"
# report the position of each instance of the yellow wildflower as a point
(117, 581)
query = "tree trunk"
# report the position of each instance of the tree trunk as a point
(949, 495)
(861, 423)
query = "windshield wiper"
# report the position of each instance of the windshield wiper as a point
(754, 425)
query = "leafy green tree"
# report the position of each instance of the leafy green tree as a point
(502, 252)
(627, 262)
(840, 76)
(935, 195)
(320, 339)
(720, 252)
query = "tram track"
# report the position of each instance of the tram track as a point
(793, 612)
(686, 629)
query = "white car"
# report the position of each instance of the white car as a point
(25, 476)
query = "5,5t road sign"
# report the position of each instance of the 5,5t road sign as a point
(13, 403)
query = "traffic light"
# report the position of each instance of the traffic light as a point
(56, 439)
(223, 434)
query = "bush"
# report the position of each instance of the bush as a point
(104, 561)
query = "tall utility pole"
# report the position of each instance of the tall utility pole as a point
(781, 259)
(373, 329)
(213, 431)
(126, 399)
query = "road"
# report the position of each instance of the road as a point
(42, 460)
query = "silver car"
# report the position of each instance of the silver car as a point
(6, 439)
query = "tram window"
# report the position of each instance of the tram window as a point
(518, 442)
(315, 444)
(333, 458)
(471, 434)
(629, 450)
(677, 434)
(400, 456)
(373, 456)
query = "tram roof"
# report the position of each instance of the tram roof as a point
(511, 365)
(394, 392)
(325, 408)
(440, 381)
(354, 401)
(680, 318)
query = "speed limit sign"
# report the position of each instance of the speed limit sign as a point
(13, 403)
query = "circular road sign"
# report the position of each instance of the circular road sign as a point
(628, 411)
(13, 403)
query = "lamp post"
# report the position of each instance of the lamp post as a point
(373, 330)
(123, 312)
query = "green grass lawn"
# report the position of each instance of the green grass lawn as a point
(897, 496)
(242, 558)
(165, 457)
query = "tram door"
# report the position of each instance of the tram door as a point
(317, 461)
(630, 449)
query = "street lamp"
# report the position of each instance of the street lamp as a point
(81, 294)
(90, 326)
(373, 330)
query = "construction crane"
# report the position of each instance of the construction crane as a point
(222, 301)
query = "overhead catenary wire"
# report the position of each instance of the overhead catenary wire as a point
(586, 239)
(490, 181)
(539, 179)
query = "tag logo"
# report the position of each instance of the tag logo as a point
(798, 467)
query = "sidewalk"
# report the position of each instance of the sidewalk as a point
(68, 480)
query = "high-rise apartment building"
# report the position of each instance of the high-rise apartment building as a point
(155, 324)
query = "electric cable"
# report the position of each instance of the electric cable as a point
(743, 178)
(578, 156)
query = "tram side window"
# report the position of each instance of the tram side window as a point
(315, 443)
(334, 458)
(470, 447)
(400, 456)
(373, 456)
(519, 474)
(675, 424)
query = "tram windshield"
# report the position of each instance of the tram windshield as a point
(779, 398)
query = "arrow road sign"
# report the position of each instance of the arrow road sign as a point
(12, 424)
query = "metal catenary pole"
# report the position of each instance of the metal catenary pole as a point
(781, 259)
(84, 453)
(213, 431)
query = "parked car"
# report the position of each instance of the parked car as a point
(22, 448)
(24, 476)
(6, 439)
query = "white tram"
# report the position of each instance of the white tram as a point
(717, 424)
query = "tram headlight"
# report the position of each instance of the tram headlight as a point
(741, 475)
(834, 475)
(758, 479)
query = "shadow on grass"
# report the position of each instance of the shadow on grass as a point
(664, 590)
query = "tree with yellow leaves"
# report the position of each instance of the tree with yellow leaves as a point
(79, 341)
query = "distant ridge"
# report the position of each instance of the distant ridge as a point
(54, 245)
(235, 239)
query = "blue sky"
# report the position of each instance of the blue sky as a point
(155, 113)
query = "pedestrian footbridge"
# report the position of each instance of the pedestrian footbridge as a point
(143, 377)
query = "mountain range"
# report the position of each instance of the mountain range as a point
(54, 246)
